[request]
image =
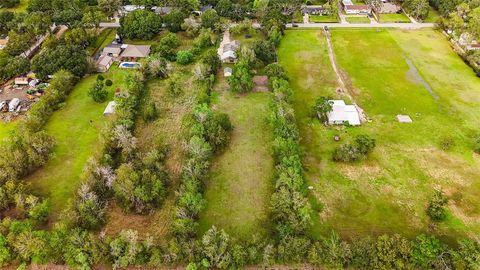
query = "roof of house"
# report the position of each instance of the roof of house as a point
(136, 51)
(104, 60)
(162, 10)
(113, 49)
(347, 2)
(228, 54)
(343, 113)
(357, 7)
(232, 45)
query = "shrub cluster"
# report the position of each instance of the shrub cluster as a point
(290, 208)
(360, 148)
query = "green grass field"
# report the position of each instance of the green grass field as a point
(238, 192)
(363, 19)
(323, 19)
(76, 129)
(5, 129)
(19, 8)
(394, 18)
(388, 193)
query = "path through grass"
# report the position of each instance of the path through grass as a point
(238, 192)
(76, 129)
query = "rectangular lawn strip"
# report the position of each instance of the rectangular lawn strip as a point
(238, 192)
(362, 19)
(323, 18)
(375, 196)
(76, 129)
(394, 18)
(433, 16)
(166, 129)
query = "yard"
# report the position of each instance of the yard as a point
(238, 192)
(420, 76)
(394, 18)
(323, 18)
(433, 16)
(76, 129)
(5, 129)
(362, 19)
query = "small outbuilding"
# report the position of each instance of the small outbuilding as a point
(104, 63)
(227, 72)
(110, 109)
(112, 50)
(21, 81)
(404, 118)
(343, 114)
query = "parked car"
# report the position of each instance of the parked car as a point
(294, 25)
(12, 106)
(3, 104)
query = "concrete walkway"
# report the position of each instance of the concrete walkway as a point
(364, 25)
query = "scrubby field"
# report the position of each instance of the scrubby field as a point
(238, 191)
(390, 72)
(76, 129)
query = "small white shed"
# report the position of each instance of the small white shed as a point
(342, 113)
(110, 109)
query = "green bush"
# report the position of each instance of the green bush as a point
(97, 92)
(350, 152)
(151, 112)
(108, 83)
(436, 207)
(184, 57)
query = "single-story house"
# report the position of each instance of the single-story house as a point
(227, 72)
(474, 47)
(110, 109)
(112, 50)
(231, 46)
(229, 57)
(104, 63)
(135, 51)
(358, 10)
(314, 10)
(21, 81)
(124, 10)
(342, 113)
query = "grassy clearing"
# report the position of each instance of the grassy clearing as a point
(388, 193)
(240, 184)
(5, 129)
(394, 18)
(22, 7)
(76, 129)
(362, 19)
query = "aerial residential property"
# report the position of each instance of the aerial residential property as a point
(240, 134)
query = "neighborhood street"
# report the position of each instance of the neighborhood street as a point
(363, 25)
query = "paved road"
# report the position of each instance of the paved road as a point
(364, 25)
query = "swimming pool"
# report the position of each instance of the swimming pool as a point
(130, 65)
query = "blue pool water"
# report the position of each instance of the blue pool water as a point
(129, 65)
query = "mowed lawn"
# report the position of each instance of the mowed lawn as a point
(390, 72)
(239, 188)
(76, 129)
(5, 129)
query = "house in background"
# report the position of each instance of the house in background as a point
(112, 50)
(133, 52)
(342, 114)
(229, 54)
(314, 10)
(21, 81)
(104, 63)
(351, 9)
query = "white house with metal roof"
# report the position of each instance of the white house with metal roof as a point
(342, 114)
